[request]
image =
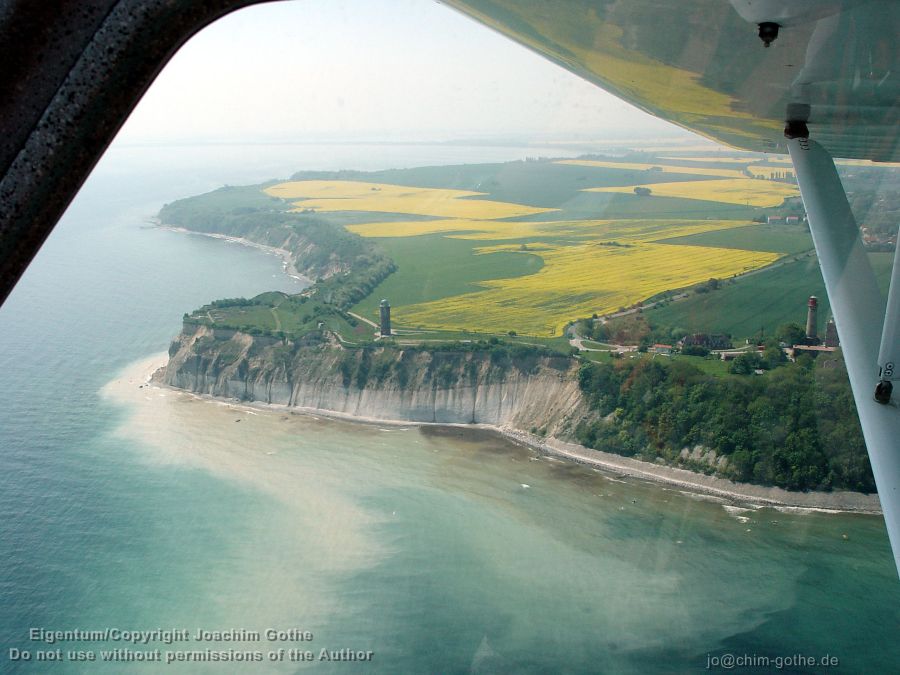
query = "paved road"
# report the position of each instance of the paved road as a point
(364, 319)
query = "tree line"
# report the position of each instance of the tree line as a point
(796, 427)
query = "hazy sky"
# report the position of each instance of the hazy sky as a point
(386, 69)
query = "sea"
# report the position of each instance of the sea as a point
(146, 530)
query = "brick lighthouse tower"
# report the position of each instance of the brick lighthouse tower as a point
(385, 312)
(812, 320)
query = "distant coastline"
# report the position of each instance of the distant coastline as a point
(147, 372)
(289, 268)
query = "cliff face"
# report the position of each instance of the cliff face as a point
(527, 392)
(312, 257)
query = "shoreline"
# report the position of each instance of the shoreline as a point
(720, 489)
(289, 268)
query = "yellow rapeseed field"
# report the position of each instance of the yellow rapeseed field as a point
(458, 228)
(588, 265)
(342, 195)
(577, 281)
(606, 230)
(665, 168)
(467, 228)
(605, 265)
(744, 191)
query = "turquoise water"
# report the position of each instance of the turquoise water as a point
(437, 550)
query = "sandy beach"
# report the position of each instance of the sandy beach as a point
(837, 501)
(144, 373)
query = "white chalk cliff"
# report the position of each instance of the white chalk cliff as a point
(391, 383)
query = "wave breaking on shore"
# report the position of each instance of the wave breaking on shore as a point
(142, 373)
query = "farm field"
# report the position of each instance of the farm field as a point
(561, 188)
(343, 195)
(542, 184)
(493, 282)
(760, 302)
(525, 247)
(713, 159)
(529, 246)
(788, 239)
(622, 203)
(533, 273)
(579, 280)
(618, 229)
(661, 167)
(432, 268)
(748, 191)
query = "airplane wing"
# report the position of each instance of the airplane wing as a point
(703, 65)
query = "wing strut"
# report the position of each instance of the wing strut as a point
(889, 354)
(859, 314)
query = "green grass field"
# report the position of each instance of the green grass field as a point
(762, 301)
(560, 186)
(254, 315)
(709, 365)
(533, 183)
(610, 205)
(596, 357)
(789, 239)
(432, 267)
(288, 314)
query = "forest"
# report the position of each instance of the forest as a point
(795, 428)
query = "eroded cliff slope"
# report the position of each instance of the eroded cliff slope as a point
(519, 388)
